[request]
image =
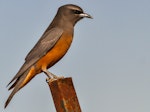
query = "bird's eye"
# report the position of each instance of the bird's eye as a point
(77, 11)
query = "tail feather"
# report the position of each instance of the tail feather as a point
(16, 86)
(11, 81)
(22, 70)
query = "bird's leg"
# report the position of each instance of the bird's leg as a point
(50, 75)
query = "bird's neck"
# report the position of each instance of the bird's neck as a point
(61, 22)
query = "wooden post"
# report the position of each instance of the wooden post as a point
(64, 95)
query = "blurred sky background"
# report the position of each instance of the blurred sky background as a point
(109, 59)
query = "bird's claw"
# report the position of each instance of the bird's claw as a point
(54, 78)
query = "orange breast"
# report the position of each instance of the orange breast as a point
(55, 54)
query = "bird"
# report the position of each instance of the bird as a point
(50, 48)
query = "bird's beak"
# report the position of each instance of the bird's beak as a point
(86, 15)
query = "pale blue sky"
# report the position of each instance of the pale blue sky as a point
(109, 59)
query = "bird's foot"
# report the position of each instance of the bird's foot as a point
(54, 78)
(51, 77)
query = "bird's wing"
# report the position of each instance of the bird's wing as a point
(46, 43)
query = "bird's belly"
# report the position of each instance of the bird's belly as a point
(55, 54)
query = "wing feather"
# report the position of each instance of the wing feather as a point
(45, 43)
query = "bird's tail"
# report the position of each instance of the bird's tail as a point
(18, 84)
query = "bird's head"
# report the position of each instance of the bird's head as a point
(71, 13)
